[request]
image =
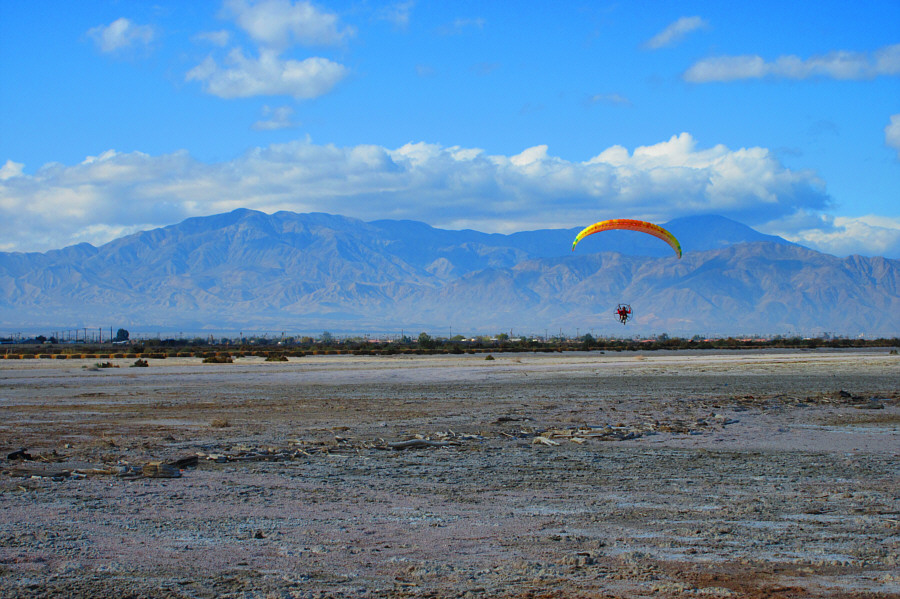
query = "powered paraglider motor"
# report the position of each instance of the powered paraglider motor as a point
(623, 312)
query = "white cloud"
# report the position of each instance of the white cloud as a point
(424, 70)
(217, 38)
(120, 35)
(11, 169)
(275, 25)
(612, 99)
(460, 26)
(835, 65)
(841, 235)
(484, 68)
(397, 13)
(675, 32)
(277, 118)
(268, 75)
(447, 187)
(281, 23)
(892, 133)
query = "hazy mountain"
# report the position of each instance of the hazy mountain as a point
(309, 272)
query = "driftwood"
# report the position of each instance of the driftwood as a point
(419, 444)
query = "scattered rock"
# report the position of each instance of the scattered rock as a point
(185, 462)
(19, 454)
(160, 470)
(870, 405)
(541, 440)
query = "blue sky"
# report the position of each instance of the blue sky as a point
(122, 115)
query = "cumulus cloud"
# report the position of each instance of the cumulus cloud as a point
(275, 25)
(120, 35)
(892, 134)
(397, 13)
(267, 75)
(675, 32)
(448, 187)
(834, 65)
(281, 23)
(11, 169)
(276, 118)
(841, 236)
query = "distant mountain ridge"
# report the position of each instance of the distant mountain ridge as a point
(310, 272)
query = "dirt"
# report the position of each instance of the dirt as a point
(665, 474)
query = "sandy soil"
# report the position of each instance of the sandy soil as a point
(731, 474)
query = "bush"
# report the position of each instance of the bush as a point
(218, 360)
(139, 363)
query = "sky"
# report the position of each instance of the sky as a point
(119, 116)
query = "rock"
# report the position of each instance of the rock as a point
(543, 441)
(160, 470)
(870, 405)
(185, 462)
(20, 454)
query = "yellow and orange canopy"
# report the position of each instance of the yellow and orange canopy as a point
(630, 225)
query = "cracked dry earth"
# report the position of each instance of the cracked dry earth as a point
(665, 474)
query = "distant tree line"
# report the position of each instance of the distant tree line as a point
(426, 343)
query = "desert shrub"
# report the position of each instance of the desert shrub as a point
(220, 423)
(139, 363)
(218, 360)
(276, 358)
(489, 357)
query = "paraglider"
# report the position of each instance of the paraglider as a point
(630, 225)
(623, 313)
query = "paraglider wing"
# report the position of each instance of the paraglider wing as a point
(630, 225)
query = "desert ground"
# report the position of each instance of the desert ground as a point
(657, 474)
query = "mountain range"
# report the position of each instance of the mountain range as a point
(305, 273)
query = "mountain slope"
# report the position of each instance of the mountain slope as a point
(309, 272)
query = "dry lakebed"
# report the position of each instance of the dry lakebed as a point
(621, 474)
